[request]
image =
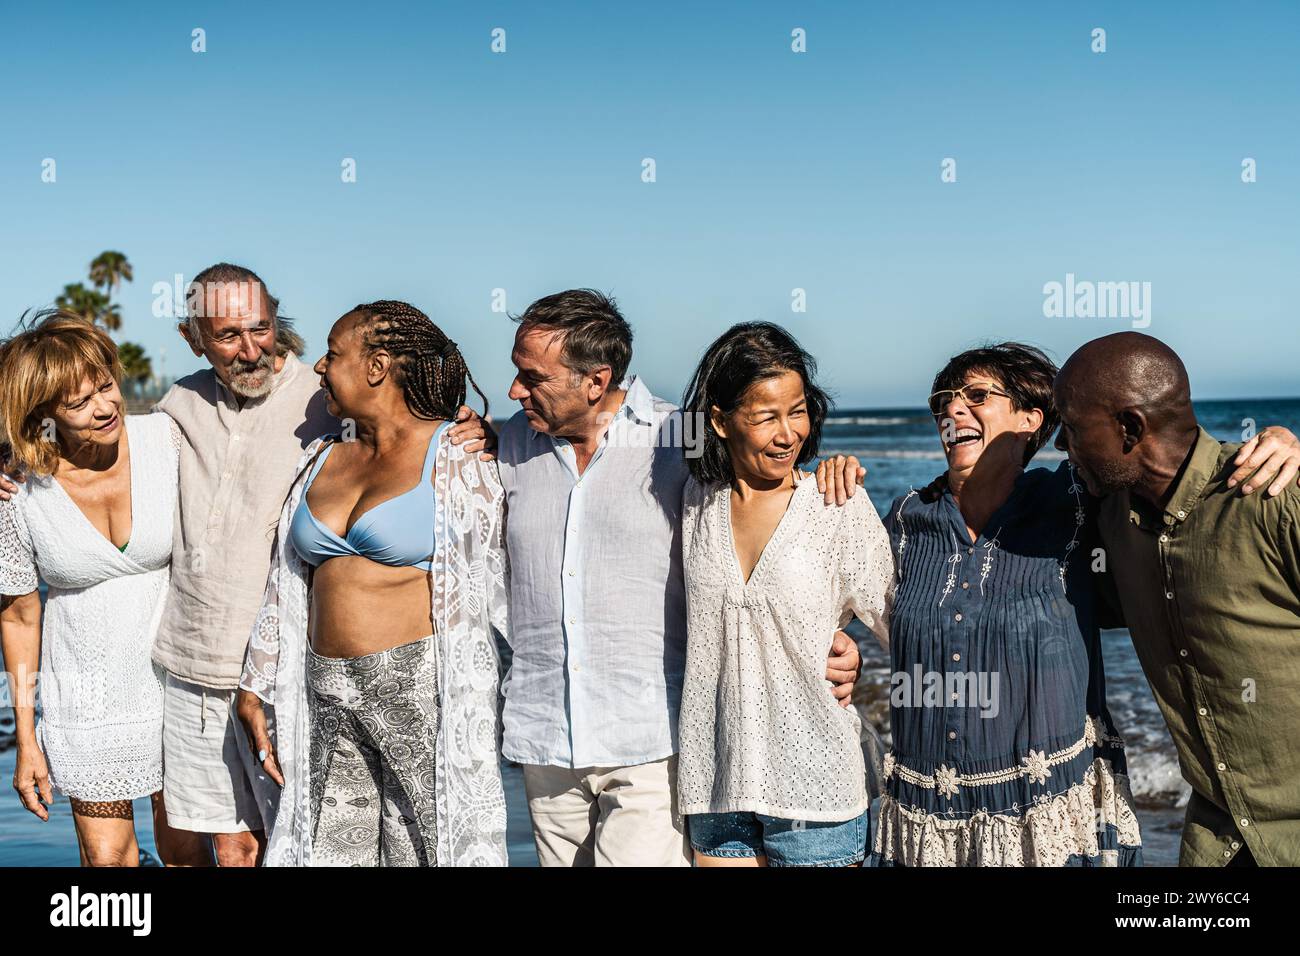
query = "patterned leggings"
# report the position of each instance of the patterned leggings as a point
(374, 723)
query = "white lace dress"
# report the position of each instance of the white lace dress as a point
(760, 729)
(100, 698)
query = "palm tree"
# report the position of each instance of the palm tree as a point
(91, 304)
(110, 317)
(136, 365)
(109, 270)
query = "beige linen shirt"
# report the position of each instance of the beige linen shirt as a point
(236, 466)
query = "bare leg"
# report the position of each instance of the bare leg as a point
(239, 849)
(178, 847)
(106, 833)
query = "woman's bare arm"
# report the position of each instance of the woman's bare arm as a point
(20, 640)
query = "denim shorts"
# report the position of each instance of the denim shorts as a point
(783, 842)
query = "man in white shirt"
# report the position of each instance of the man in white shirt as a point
(593, 467)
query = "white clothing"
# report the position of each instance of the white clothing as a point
(760, 729)
(100, 697)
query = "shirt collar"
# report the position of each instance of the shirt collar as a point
(1201, 467)
(638, 403)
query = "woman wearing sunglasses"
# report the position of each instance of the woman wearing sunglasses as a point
(1004, 753)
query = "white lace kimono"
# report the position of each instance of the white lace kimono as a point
(470, 591)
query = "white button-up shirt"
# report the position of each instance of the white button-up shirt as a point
(597, 602)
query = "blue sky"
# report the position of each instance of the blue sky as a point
(775, 171)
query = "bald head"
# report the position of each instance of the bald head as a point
(1128, 370)
(1126, 410)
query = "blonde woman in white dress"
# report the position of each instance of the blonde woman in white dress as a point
(771, 770)
(94, 521)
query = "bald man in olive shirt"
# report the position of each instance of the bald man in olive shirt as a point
(1209, 583)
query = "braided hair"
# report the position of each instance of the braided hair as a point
(430, 368)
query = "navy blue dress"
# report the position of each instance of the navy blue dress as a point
(1003, 751)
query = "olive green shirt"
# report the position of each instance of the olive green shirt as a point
(1210, 588)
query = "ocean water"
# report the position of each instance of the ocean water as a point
(900, 449)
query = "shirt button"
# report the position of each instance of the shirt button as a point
(1164, 538)
(1227, 854)
(954, 695)
(576, 668)
(1236, 845)
(970, 550)
(1169, 595)
(952, 735)
(234, 438)
(225, 476)
(957, 616)
(1182, 514)
(1223, 766)
(1245, 822)
(1183, 652)
(956, 657)
(572, 621)
(570, 573)
(1202, 711)
(965, 585)
(216, 514)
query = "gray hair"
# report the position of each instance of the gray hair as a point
(225, 274)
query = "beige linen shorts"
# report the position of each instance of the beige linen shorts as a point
(212, 782)
(607, 816)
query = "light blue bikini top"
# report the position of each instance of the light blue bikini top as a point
(397, 532)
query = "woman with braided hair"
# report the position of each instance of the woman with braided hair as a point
(374, 642)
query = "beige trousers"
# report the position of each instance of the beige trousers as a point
(607, 816)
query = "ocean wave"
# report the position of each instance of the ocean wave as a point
(922, 454)
(1154, 777)
(872, 420)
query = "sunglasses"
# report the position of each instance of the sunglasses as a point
(971, 394)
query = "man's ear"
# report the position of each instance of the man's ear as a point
(1133, 425)
(184, 329)
(601, 381)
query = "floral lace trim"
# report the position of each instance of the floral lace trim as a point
(950, 584)
(987, 564)
(1080, 515)
(1037, 766)
(902, 532)
(1048, 833)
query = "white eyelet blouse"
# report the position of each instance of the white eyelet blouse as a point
(760, 729)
